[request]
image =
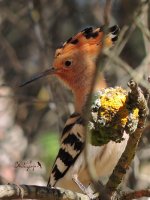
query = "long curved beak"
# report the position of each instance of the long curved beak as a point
(47, 72)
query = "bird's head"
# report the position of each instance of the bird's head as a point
(75, 60)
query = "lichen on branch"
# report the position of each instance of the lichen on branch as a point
(136, 98)
(112, 115)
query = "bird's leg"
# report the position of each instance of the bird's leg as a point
(86, 190)
(79, 184)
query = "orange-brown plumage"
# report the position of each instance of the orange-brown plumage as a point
(82, 51)
(90, 45)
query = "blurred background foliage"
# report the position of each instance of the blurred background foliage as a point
(32, 117)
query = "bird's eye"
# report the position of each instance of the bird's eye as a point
(68, 63)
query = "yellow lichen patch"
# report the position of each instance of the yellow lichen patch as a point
(113, 103)
(124, 117)
(136, 113)
(113, 98)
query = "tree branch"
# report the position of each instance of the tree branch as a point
(37, 192)
(136, 99)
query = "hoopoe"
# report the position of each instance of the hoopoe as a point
(75, 64)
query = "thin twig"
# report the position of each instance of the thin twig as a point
(120, 63)
(135, 194)
(11, 53)
(142, 23)
(107, 11)
(91, 169)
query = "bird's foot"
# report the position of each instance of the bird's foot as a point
(86, 190)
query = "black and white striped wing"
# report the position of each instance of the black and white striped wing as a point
(72, 143)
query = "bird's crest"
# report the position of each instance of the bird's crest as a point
(90, 40)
